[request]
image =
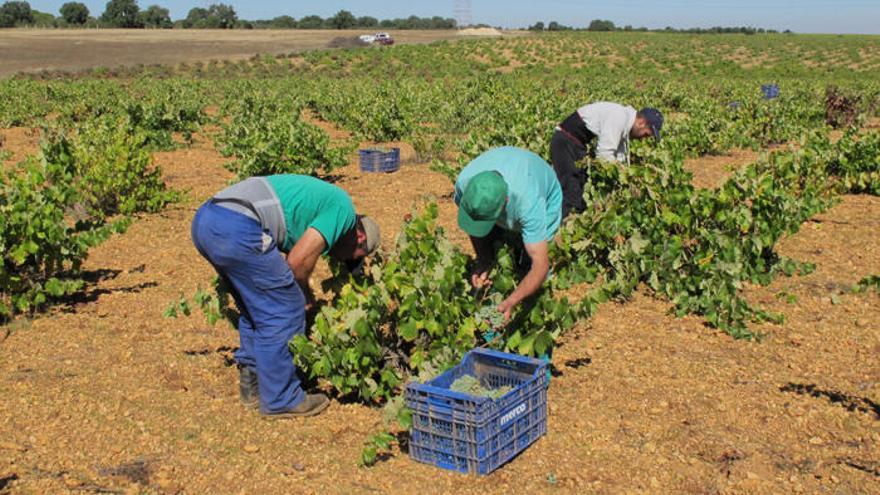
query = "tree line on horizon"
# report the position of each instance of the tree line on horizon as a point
(128, 14)
(607, 26)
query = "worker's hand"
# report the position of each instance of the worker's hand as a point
(480, 275)
(480, 279)
(506, 308)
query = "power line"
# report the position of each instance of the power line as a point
(462, 12)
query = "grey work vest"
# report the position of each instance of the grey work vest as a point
(255, 198)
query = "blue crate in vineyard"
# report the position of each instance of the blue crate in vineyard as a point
(470, 434)
(373, 160)
(770, 91)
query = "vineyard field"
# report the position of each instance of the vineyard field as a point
(712, 320)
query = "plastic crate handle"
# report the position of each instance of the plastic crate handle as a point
(509, 361)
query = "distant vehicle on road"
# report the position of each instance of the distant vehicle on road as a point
(376, 39)
(384, 39)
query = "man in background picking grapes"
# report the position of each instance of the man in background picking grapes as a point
(509, 190)
(605, 128)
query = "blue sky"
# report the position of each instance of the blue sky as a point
(813, 16)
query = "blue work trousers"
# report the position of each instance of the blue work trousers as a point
(271, 303)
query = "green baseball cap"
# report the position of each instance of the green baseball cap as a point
(482, 203)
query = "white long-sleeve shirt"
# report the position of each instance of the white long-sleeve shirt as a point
(611, 123)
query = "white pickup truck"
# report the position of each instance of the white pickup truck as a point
(384, 39)
(378, 38)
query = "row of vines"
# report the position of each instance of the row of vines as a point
(93, 172)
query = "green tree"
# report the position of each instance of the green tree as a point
(122, 14)
(283, 22)
(413, 22)
(438, 22)
(367, 22)
(74, 13)
(216, 16)
(538, 26)
(221, 16)
(342, 20)
(43, 19)
(16, 14)
(600, 25)
(156, 17)
(196, 18)
(311, 22)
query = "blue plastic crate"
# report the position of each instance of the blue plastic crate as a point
(373, 160)
(770, 91)
(472, 434)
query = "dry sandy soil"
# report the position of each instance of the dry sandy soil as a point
(32, 50)
(106, 396)
(712, 171)
(17, 143)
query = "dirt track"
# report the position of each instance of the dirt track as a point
(32, 50)
(107, 395)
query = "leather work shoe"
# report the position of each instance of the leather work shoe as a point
(248, 386)
(312, 405)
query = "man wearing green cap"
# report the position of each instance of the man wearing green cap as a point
(509, 189)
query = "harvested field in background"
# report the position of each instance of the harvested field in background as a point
(33, 50)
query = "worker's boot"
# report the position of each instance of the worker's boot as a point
(248, 386)
(312, 405)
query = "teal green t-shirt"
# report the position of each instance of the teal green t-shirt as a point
(310, 202)
(534, 205)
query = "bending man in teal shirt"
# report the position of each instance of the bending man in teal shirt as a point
(243, 231)
(515, 190)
